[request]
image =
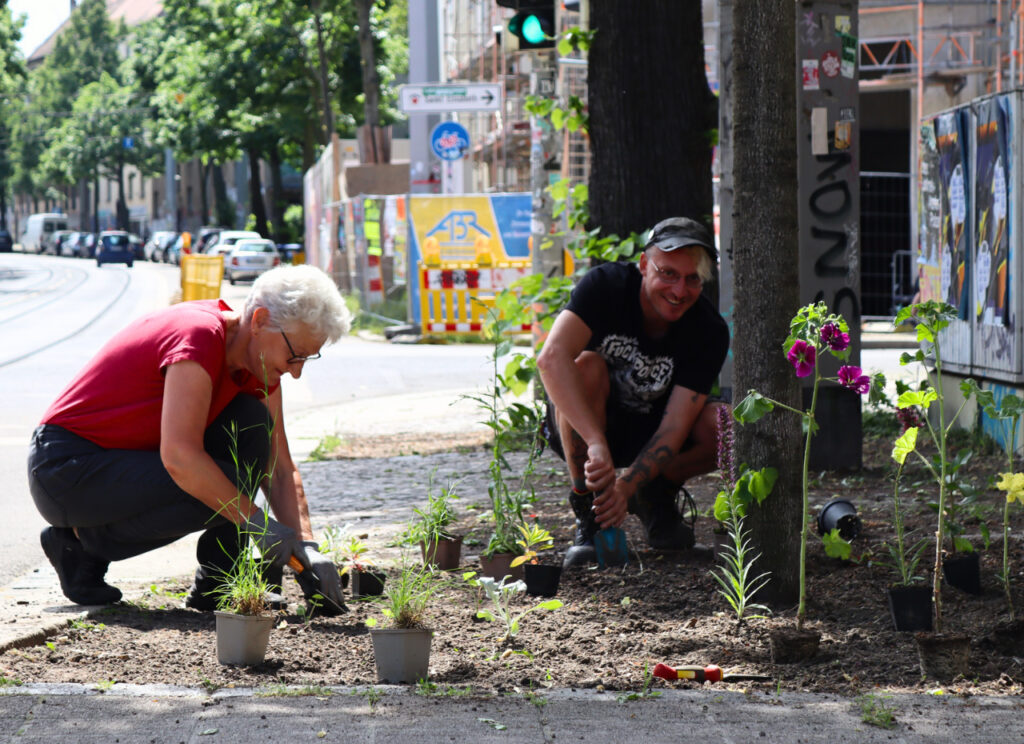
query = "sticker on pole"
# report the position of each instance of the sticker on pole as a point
(449, 140)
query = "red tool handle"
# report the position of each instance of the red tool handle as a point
(296, 564)
(709, 673)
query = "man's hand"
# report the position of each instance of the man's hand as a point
(277, 542)
(599, 469)
(326, 572)
(610, 507)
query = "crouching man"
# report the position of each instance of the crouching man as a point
(627, 368)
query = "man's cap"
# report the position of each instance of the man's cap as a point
(679, 232)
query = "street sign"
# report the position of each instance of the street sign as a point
(439, 98)
(449, 140)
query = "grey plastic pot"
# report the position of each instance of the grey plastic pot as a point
(402, 655)
(242, 639)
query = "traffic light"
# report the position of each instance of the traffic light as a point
(533, 24)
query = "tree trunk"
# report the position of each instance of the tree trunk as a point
(276, 195)
(224, 208)
(204, 209)
(371, 82)
(652, 116)
(259, 209)
(765, 271)
(84, 210)
(122, 206)
(325, 90)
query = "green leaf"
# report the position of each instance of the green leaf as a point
(557, 118)
(923, 398)
(762, 482)
(905, 445)
(564, 46)
(722, 506)
(836, 546)
(752, 408)
(962, 545)
(551, 604)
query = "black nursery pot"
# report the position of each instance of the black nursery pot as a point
(367, 583)
(911, 607)
(964, 572)
(541, 580)
(841, 514)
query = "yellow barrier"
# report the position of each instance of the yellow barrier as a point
(457, 300)
(201, 277)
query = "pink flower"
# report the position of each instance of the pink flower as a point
(834, 338)
(801, 356)
(851, 377)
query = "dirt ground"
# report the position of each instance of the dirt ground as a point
(615, 625)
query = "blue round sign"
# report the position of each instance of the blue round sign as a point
(449, 140)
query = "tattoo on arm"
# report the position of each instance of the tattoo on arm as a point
(578, 450)
(653, 457)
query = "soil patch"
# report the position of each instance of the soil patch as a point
(615, 626)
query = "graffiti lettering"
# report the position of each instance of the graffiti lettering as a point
(833, 261)
(820, 194)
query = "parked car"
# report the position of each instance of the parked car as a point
(88, 249)
(136, 243)
(226, 240)
(157, 244)
(288, 251)
(249, 258)
(53, 243)
(205, 237)
(6, 242)
(172, 253)
(114, 246)
(38, 227)
(69, 246)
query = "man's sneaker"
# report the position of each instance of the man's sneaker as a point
(655, 505)
(582, 550)
(81, 574)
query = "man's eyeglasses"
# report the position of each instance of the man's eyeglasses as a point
(671, 277)
(295, 359)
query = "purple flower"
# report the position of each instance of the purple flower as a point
(834, 338)
(801, 356)
(851, 377)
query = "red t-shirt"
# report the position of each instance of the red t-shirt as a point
(117, 399)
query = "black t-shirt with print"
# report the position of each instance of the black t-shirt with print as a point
(642, 369)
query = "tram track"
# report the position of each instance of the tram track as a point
(60, 292)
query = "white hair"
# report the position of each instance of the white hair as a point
(301, 296)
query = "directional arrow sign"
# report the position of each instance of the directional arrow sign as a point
(439, 98)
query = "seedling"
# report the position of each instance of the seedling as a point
(104, 685)
(372, 695)
(285, 691)
(875, 712)
(645, 692)
(501, 595)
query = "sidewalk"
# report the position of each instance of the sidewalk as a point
(381, 501)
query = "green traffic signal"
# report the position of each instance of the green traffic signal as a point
(534, 28)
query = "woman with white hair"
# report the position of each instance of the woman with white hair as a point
(172, 427)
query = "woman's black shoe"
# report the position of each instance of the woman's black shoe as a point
(81, 574)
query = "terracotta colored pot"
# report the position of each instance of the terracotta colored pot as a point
(498, 566)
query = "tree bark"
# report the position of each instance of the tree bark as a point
(371, 81)
(122, 206)
(259, 209)
(652, 116)
(225, 210)
(766, 272)
(276, 195)
(204, 209)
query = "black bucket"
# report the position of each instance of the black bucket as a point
(964, 572)
(839, 514)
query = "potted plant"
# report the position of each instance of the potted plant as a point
(366, 580)
(501, 594)
(812, 331)
(942, 655)
(431, 528)
(401, 651)
(910, 600)
(506, 421)
(243, 619)
(541, 579)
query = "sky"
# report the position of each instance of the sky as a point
(44, 16)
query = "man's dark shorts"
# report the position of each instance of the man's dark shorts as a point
(626, 432)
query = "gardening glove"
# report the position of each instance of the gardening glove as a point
(326, 582)
(277, 542)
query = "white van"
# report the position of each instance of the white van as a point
(39, 228)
